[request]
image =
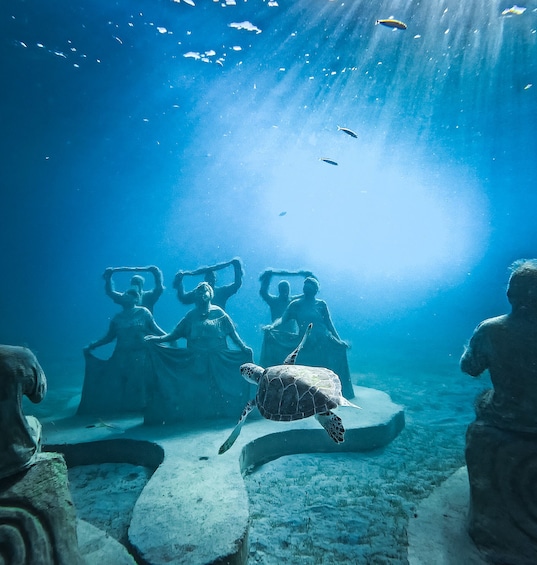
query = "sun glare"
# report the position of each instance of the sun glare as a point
(375, 218)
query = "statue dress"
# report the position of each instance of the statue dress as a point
(119, 384)
(201, 381)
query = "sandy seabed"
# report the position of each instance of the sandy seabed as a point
(328, 508)
(355, 508)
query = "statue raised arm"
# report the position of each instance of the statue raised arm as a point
(221, 293)
(148, 297)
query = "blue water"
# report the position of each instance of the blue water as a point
(117, 149)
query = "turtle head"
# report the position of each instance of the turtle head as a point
(251, 372)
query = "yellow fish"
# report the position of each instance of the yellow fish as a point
(514, 10)
(391, 23)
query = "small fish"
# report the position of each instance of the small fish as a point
(347, 131)
(329, 161)
(282, 213)
(514, 10)
(391, 23)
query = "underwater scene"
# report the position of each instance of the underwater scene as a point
(248, 242)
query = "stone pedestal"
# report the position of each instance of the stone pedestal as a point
(502, 468)
(37, 516)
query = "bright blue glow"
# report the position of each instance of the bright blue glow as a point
(377, 217)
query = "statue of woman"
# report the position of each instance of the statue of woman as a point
(119, 384)
(201, 381)
(324, 347)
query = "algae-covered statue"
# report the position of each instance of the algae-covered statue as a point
(37, 516)
(148, 298)
(203, 379)
(119, 384)
(324, 347)
(20, 435)
(222, 293)
(501, 444)
(279, 302)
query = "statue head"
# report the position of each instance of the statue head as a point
(311, 286)
(522, 287)
(203, 293)
(284, 288)
(138, 282)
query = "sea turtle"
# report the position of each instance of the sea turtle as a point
(292, 392)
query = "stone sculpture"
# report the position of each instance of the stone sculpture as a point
(201, 381)
(221, 293)
(20, 435)
(37, 517)
(501, 444)
(324, 347)
(279, 302)
(148, 298)
(119, 384)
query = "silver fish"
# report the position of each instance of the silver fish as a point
(347, 131)
(329, 161)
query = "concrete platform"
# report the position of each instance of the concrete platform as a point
(438, 534)
(194, 509)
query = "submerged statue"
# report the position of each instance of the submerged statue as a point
(37, 516)
(20, 435)
(221, 293)
(324, 347)
(148, 298)
(278, 303)
(501, 444)
(119, 384)
(203, 379)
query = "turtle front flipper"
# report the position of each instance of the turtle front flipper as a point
(237, 430)
(333, 425)
(291, 358)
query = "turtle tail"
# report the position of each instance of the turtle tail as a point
(333, 425)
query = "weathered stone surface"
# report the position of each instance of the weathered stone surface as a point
(438, 532)
(194, 509)
(502, 466)
(37, 516)
(20, 435)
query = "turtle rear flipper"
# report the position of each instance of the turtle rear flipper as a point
(333, 425)
(237, 430)
(291, 358)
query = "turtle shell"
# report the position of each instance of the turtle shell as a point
(293, 392)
